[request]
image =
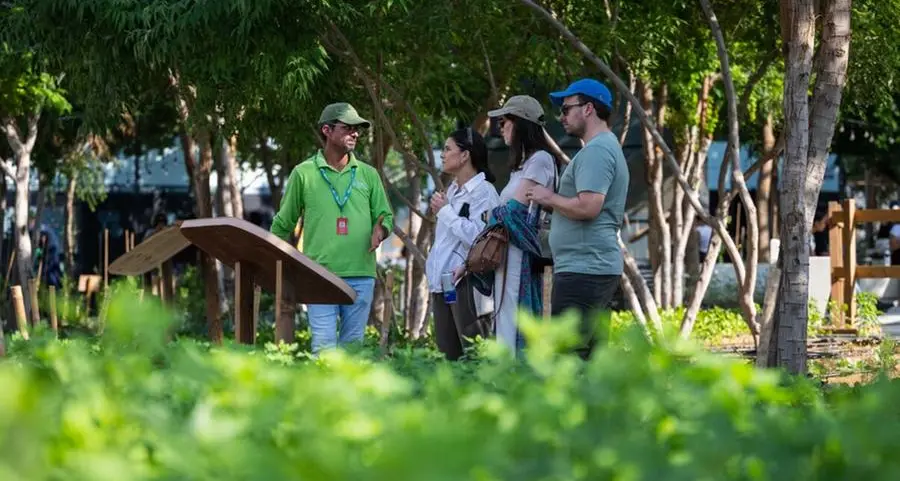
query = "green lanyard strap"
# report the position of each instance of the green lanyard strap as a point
(340, 203)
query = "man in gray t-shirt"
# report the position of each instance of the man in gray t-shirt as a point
(587, 211)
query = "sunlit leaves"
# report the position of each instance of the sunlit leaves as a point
(135, 409)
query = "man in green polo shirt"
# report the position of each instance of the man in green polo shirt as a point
(346, 216)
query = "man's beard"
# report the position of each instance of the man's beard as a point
(574, 131)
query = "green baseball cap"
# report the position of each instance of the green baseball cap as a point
(342, 112)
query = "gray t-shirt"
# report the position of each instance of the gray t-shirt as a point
(592, 246)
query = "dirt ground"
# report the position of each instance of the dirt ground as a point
(833, 359)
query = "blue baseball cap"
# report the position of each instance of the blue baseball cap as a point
(585, 86)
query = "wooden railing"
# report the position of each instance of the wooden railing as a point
(843, 217)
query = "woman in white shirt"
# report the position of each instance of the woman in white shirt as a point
(522, 125)
(459, 221)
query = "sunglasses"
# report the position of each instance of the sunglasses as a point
(564, 109)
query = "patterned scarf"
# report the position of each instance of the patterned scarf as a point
(525, 236)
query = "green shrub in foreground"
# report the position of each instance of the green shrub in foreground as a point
(134, 407)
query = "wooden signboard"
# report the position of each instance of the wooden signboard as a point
(151, 253)
(257, 257)
(232, 241)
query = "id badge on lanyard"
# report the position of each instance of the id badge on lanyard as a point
(342, 224)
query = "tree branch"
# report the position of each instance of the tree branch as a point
(410, 245)
(31, 137)
(734, 144)
(6, 165)
(556, 149)
(754, 79)
(648, 123)
(775, 152)
(831, 76)
(490, 71)
(706, 272)
(367, 77)
(626, 116)
(13, 135)
(413, 209)
(630, 294)
(633, 274)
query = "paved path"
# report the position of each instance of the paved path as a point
(890, 322)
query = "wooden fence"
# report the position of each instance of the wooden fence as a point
(843, 217)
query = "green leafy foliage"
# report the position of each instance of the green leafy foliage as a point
(133, 406)
(25, 87)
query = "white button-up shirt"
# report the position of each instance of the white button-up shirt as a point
(454, 235)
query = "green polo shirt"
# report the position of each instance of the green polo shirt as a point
(309, 195)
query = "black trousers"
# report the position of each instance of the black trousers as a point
(590, 295)
(455, 325)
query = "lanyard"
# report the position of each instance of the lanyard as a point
(340, 203)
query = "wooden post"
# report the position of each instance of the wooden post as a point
(35, 307)
(40, 271)
(849, 242)
(19, 305)
(836, 253)
(284, 327)
(159, 286)
(257, 295)
(105, 259)
(54, 324)
(12, 259)
(127, 241)
(168, 280)
(244, 329)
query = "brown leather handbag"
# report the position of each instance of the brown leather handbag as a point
(489, 250)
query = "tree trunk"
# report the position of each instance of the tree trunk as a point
(764, 194)
(633, 275)
(378, 315)
(685, 259)
(698, 177)
(237, 199)
(223, 208)
(707, 268)
(677, 227)
(203, 208)
(22, 149)
(23, 238)
(635, 303)
(39, 204)
(831, 76)
(751, 261)
(659, 236)
(224, 182)
(199, 174)
(265, 158)
(70, 223)
(793, 311)
(808, 136)
(419, 298)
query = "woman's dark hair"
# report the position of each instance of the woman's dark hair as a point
(472, 142)
(527, 138)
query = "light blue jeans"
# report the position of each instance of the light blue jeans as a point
(323, 318)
